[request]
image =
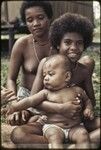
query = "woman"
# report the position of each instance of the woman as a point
(28, 51)
(70, 35)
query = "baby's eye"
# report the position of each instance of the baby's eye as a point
(51, 73)
(44, 74)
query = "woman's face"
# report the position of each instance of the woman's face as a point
(72, 46)
(37, 21)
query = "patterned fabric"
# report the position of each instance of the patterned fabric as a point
(24, 92)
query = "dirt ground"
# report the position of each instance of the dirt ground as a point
(5, 136)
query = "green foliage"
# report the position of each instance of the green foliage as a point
(4, 71)
(96, 77)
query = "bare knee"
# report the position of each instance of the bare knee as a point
(55, 136)
(17, 135)
(83, 136)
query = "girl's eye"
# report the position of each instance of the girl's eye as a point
(41, 17)
(67, 42)
(80, 42)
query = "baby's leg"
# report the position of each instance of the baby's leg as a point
(80, 136)
(55, 137)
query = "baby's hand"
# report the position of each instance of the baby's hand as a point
(88, 113)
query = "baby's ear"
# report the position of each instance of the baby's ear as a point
(68, 76)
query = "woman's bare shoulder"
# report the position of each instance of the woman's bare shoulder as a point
(24, 39)
(21, 44)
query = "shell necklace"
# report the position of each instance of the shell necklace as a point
(34, 48)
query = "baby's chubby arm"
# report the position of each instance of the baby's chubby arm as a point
(31, 101)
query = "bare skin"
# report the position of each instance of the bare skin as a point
(73, 107)
(55, 82)
(7, 96)
(24, 55)
(37, 86)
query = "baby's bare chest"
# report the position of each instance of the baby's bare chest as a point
(62, 96)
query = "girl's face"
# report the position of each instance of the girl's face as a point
(72, 46)
(37, 21)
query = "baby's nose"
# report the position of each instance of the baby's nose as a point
(46, 78)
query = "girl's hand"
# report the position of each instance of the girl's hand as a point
(88, 113)
(71, 108)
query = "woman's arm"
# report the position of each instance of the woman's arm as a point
(38, 82)
(7, 96)
(14, 66)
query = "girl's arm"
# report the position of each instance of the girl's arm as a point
(88, 87)
(87, 105)
(68, 108)
(38, 82)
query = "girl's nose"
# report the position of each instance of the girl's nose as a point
(73, 46)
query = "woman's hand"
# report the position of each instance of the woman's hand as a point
(7, 96)
(7, 110)
(18, 118)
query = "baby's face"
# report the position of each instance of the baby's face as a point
(54, 75)
(72, 46)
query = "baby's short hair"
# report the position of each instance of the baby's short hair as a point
(70, 22)
(61, 59)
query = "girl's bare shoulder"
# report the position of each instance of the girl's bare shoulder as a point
(78, 89)
(83, 68)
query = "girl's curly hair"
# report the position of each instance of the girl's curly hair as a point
(43, 4)
(70, 22)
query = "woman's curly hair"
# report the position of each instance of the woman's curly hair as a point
(43, 4)
(70, 22)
